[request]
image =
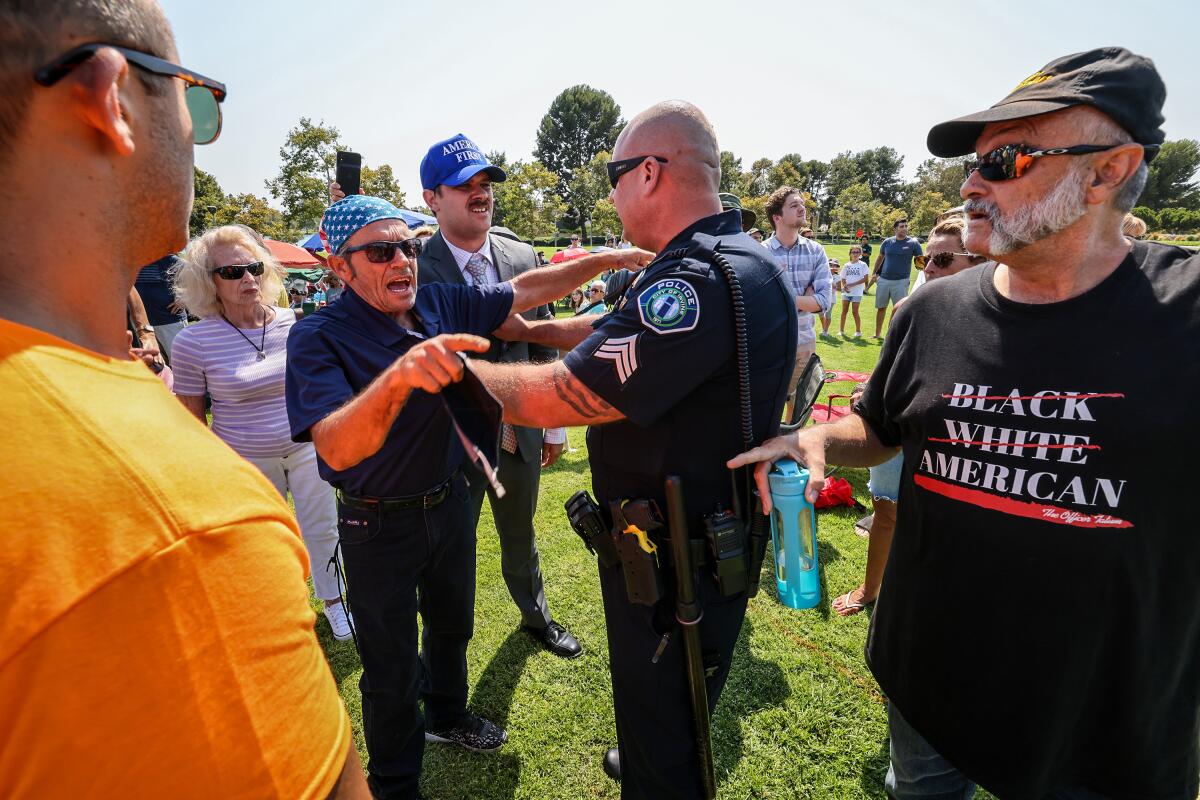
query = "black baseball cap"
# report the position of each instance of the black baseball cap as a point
(1123, 85)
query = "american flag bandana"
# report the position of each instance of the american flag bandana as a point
(345, 217)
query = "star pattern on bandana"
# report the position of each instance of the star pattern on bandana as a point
(345, 217)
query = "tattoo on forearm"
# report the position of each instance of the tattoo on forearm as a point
(586, 407)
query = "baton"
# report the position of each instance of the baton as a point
(688, 614)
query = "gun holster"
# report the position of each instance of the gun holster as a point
(585, 519)
(632, 522)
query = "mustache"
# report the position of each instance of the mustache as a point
(979, 206)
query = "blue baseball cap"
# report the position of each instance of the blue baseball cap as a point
(347, 216)
(455, 161)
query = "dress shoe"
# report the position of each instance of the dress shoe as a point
(612, 764)
(557, 640)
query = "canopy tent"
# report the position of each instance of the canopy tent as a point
(298, 262)
(570, 254)
(289, 255)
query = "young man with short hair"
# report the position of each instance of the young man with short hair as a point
(807, 268)
(893, 268)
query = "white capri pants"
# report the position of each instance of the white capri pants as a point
(316, 511)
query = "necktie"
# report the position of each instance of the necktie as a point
(477, 268)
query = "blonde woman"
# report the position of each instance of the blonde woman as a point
(237, 354)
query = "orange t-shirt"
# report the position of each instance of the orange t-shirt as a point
(155, 633)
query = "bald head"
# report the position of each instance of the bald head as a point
(680, 133)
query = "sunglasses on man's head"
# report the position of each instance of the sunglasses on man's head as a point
(1013, 160)
(384, 252)
(202, 95)
(234, 272)
(618, 168)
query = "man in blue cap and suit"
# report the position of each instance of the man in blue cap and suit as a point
(457, 181)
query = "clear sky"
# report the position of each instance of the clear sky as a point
(774, 78)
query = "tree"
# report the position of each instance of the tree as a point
(923, 209)
(1172, 179)
(1148, 216)
(758, 177)
(581, 122)
(605, 219)
(1179, 220)
(880, 168)
(381, 182)
(529, 200)
(587, 188)
(208, 195)
(301, 186)
(733, 180)
(254, 212)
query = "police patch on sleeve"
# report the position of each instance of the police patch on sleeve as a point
(669, 306)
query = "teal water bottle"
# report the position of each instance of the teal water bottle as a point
(794, 534)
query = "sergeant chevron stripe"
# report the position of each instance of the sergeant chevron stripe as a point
(622, 352)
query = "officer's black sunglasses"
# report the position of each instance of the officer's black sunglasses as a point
(234, 272)
(203, 95)
(384, 252)
(1014, 160)
(618, 168)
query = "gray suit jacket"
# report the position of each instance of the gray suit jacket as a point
(437, 265)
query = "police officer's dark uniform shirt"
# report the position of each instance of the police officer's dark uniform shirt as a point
(336, 353)
(665, 359)
(1040, 621)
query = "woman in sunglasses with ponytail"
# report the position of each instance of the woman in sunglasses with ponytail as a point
(237, 354)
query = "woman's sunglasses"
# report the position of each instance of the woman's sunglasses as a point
(203, 95)
(1014, 160)
(234, 272)
(384, 252)
(943, 260)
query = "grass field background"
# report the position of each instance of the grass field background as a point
(801, 716)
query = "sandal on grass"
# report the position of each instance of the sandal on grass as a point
(846, 605)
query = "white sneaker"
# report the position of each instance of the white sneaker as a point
(858, 335)
(339, 621)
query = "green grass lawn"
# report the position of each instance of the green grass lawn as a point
(801, 715)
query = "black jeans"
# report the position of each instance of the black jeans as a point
(399, 563)
(655, 724)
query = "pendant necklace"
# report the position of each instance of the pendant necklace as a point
(261, 347)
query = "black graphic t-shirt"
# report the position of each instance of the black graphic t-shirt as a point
(1039, 622)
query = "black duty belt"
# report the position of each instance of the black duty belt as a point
(428, 500)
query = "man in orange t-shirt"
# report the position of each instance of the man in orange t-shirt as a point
(155, 636)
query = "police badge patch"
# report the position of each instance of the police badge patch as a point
(669, 306)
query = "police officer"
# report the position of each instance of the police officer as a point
(362, 383)
(661, 371)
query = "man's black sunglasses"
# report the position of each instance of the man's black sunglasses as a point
(203, 95)
(1013, 160)
(618, 168)
(384, 252)
(234, 272)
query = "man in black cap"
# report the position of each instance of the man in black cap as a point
(1039, 629)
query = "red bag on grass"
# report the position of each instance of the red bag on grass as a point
(835, 492)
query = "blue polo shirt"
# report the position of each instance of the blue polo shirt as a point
(334, 355)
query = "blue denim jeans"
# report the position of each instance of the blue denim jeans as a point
(917, 772)
(885, 478)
